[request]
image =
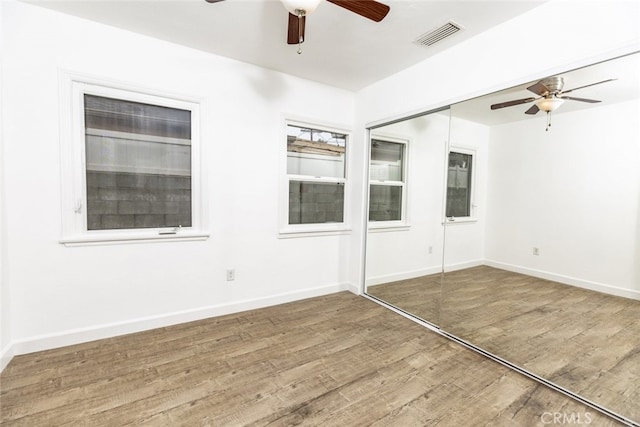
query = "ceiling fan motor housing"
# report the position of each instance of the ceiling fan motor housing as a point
(554, 84)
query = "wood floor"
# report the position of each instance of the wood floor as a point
(585, 341)
(337, 360)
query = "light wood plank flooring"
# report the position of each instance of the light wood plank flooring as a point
(585, 341)
(337, 360)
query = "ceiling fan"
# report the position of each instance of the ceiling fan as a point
(550, 96)
(299, 9)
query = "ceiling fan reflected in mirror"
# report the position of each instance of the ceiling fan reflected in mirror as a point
(550, 96)
(300, 9)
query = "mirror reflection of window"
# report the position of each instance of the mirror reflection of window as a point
(459, 183)
(387, 181)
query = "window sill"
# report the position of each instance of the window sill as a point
(306, 231)
(117, 239)
(386, 226)
(465, 220)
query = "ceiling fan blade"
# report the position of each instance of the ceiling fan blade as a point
(370, 9)
(592, 84)
(592, 101)
(213, 1)
(533, 110)
(512, 103)
(295, 34)
(538, 89)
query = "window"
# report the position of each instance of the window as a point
(315, 178)
(138, 165)
(387, 177)
(133, 169)
(460, 184)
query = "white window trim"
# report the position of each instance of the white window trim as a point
(403, 223)
(73, 163)
(473, 208)
(286, 230)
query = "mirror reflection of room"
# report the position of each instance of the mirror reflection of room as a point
(405, 239)
(541, 234)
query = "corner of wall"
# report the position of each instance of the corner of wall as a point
(6, 354)
(6, 349)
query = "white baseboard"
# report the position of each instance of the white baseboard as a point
(567, 280)
(463, 265)
(393, 277)
(6, 354)
(82, 335)
(386, 278)
(353, 288)
(77, 336)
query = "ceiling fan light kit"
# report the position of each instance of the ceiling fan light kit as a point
(549, 104)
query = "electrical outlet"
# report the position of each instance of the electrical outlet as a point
(536, 251)
(231, 275)
(430, 250)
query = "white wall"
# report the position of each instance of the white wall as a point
(61, 294)
(5, 307)
(572, 192)
(508, 54)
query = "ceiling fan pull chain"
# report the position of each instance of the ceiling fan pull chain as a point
(548, 121)
(301, 13)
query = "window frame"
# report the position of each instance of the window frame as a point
(286, 230)
(403, 222)
(75, 232)
(472, 194)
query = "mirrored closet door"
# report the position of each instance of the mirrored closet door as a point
(538, 234)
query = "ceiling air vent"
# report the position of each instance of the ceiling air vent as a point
(438, 34)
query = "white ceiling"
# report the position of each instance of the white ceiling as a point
(341, 48)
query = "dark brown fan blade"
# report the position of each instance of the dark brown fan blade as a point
(538, 89)
(512, 103)
(592, 84)
(295, 33)
(213, 1)
(370, 9)
(533, 110)
(592, 101)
